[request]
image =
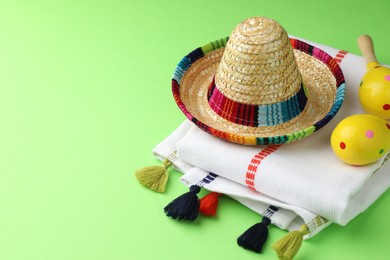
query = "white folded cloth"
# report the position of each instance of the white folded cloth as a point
(288, 217)
(304, 180)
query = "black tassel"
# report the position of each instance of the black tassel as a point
(184, 207)
(254, 238)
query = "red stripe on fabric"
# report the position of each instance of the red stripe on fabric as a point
(254, 164)
(340, 56)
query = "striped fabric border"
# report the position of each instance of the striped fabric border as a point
(316, 223)
(256, 115)
(206, 180)
(270, 211)
(340, 56)
(254, 164)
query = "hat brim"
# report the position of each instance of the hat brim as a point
(321, 75)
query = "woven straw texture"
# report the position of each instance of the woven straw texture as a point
(243, 73)
(258, 65)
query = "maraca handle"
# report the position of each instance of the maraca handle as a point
(367, 48)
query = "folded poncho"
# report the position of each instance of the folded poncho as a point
(298, 185)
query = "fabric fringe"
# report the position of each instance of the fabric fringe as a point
(209, 203)
(287, 247)
(154, 177)
(186, 206)
(255, 237)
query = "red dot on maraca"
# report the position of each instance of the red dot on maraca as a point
(342, 145)
(386, 106)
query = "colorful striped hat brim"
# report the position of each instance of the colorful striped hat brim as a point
(322, 78)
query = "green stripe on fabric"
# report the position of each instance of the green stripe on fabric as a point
(215, 45)
(300, 134)
(207, 48)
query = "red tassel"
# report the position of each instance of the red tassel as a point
(209, 204)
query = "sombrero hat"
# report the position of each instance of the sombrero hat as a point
(258, 86)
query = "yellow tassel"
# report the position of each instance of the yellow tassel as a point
(154, 177)
(287, 247)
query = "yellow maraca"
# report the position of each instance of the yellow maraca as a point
(361, 139)
(374, 90)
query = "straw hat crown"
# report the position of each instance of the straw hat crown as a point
(258, 82)
(258, 65)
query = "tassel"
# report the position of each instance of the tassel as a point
(184, 207)
(287, 247)
(209, 203)
(154, 177)
(254, 238)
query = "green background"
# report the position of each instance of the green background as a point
(84, 97)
